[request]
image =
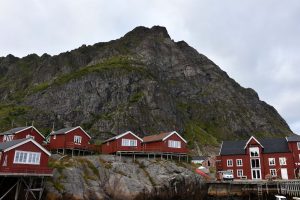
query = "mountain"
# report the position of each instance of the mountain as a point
(144, 82)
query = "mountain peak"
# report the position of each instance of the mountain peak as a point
(142, 31)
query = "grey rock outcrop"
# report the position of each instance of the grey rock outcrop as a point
(106, 177)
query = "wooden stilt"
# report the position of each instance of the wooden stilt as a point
(17, 190)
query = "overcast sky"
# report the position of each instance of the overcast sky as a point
(256, 42)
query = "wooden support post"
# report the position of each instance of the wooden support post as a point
(187, 158)
(134, 157)
(154, 155)
(171, 157)
(72, 152)
(167, 157)
(17, 190)
(161, 156)
(148, 156)
(179, 158)
(63, 151)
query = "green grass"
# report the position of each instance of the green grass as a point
(197, 132)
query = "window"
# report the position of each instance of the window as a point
(229, 163)
(255, 163)
(30, 136)
(174, 144)
(298, 145)
(77, 139)
(282, 161)
(8, 138)
(271, 161)
(239, 162)
(129, 143)
(273, 172)
(26, 157)
(254, 151)
(239, 173)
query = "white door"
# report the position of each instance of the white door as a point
(284, 174)
(256, 174)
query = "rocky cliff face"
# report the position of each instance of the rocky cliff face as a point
(106, 177)
(144, 82)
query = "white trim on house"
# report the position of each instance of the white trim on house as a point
(27, 157)
(252, 137)
(227, 162)
(174, 132)
(272, 159)
(29, 128)
(76, 128)
(24, 142)
(221, 148)
(121, 135)
(239, 164)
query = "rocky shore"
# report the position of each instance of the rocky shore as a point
(108, 177)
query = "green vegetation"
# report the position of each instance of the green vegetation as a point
(136, 97)
(201, 134)
(13, 114)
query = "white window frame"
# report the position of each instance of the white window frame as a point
(54, 137)
(273, 170)
(129, 142)
(237, 173)
(174, 144)
(228, 163)
(27, 157)
(239, 162)
(7, 138)
(256, 149)
(271, 163)
(77, 139)
(30, 136)
(298, 145)
(282, 161)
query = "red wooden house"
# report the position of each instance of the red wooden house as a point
(170, 142)
(294, 146)
(259, 159)
(127, 141)
(69, 139)
(22, 132)
(24, 157)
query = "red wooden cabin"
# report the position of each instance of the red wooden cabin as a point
(22, 132)
(170, 142)
(24, 157)
(259, 159)
(127, 141)
(74, 138)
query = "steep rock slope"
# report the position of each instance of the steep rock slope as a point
(144, 82)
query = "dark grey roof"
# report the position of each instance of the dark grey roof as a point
(62, 131)
(293, 138)
(233, 147)
(274, 145)
(14, 130)
(5, 145)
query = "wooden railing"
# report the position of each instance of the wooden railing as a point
(72, 145)
(26, 170)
